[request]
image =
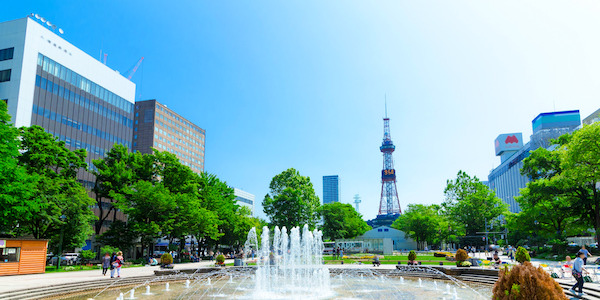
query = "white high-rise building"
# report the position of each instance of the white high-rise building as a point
(49, 82)
(244, 198)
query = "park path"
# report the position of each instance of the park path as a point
(18, 282)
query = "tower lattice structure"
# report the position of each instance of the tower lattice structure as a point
(389, 203)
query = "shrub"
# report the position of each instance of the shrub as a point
(526, 282)
(412, 256)
(166, 259)
(220, 259)
(87, 255)
(461, 255)
(522, 255)
(441, 254)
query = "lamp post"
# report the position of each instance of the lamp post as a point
(62, 231)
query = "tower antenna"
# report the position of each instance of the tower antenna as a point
(389, 203)
(385, 97)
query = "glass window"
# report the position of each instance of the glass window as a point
(5, 75)
(6, 54)
(10, 254)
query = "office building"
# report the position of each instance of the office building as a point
(506, 179)
(331, 189)
(244, 198)
(47, 81)
(156, 126)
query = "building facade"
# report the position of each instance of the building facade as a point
(506, 179)
(47, 81)
(244, 198)
(156, 126)
(331, 189)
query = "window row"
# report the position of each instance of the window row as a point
(5, 75)
(182, 141)
(80, 145)
(82, 101)
(83, 83)
(175, 144)
(181, 155)
(6, 54)
(78, 125)
(179, 119)
(198, 136)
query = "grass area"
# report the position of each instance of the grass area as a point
(389, 259)
(52, 269)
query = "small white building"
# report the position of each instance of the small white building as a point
(382, 239)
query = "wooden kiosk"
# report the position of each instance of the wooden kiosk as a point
(22, 256)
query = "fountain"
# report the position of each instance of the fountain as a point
(147, 293)
(289, 265)
(131, 294)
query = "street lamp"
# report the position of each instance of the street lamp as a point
(62, 231)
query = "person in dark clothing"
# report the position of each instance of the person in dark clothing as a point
(105, 263)
(113, 258)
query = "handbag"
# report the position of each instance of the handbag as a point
(587, 279)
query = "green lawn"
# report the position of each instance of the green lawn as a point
(52, 269)
(390, 259)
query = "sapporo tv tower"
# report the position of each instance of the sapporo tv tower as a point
(389, 204)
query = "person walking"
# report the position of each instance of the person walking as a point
(113, 258)
(120, 260)
(586, 253)
(105, 263)
(577, 272)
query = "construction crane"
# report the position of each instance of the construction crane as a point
(137, 65)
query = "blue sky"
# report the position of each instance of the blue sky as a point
(279, 84)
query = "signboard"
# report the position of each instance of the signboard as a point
(508, 142)
(2, 243)
(388, 174)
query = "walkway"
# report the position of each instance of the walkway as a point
(18, 282)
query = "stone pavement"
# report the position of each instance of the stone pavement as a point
(18, 282)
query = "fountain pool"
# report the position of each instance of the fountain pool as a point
(290, 266)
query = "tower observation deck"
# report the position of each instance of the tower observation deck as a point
(389, 203)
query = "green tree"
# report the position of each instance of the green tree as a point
(471, 204)
(580, 163)
(15, 183)
(58, 193)
(546, 201)
(149, 208)
(342, 221)
(119, 234)
(422, 223)
(292, 200)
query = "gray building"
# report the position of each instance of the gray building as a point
(506, 179)
(331, 189)
(159, 127)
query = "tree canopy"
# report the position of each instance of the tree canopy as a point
(292, 200)
(342, 221)
(423, 223)
(471, 204)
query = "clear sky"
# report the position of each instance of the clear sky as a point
(279, 84)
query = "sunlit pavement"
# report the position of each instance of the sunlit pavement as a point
(17, 282)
